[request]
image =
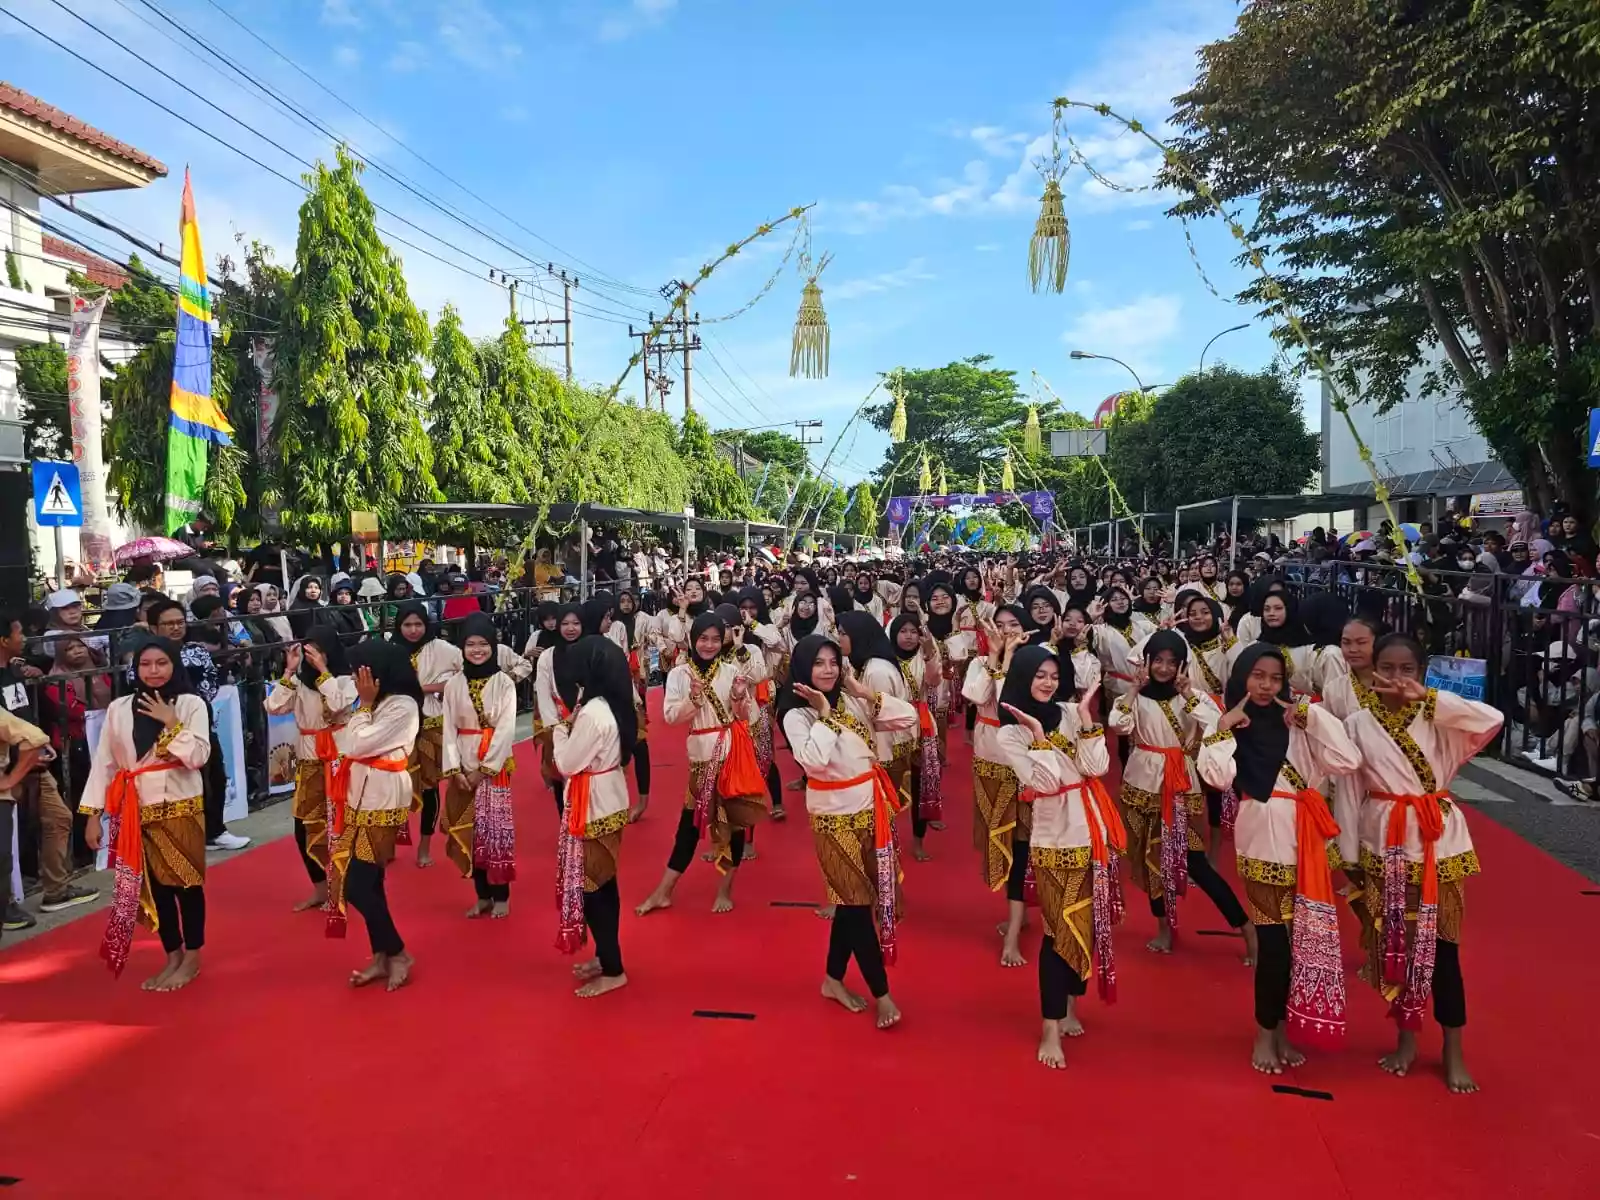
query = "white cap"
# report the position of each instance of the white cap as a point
(62, 599)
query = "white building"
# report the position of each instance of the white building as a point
(45, 152)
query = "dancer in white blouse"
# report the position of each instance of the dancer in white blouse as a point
(851, 802)
(434, 660)
(146, 778)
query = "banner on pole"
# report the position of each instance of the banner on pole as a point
(87, 418)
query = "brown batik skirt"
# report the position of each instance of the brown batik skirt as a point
(460, 805)
(1066, 902)
(736, 812)
(996, 816)
(311, 807)
(426, 763)
(1141, 812)
(1368, 908)
(846, 846)
(602, 850)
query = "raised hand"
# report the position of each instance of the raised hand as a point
(1141, 676)
(1400, 687)
(366, 687)
(317, 659)
(291, 660)
(854, 686)
(1292, 713)
(1086, 707)
(1182, 682)
(1234, 718)
(817, 700)
(153, 705)
(1027, 721)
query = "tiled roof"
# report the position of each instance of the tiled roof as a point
(19, 101)
(95, 269)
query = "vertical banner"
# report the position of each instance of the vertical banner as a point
(228, 724)
(83, 403)
(265, 356)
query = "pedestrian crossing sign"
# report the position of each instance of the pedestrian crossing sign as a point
(1594, 437)
(57, 495)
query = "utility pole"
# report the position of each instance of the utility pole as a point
(657, 378)
(679, 336)
(568, 284)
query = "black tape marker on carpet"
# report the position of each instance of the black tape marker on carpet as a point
(1287, 1090)
(716, 1015)
(9, 1181)
(794, 904)
(1216, 933)
(1589, 893)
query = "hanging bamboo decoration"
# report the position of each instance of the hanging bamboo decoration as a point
(897, 423)
(1008, 478)
(808, 354)
(1052, 240)
(1031, 439)
(943, 490)
(925, 482)
(981, 489)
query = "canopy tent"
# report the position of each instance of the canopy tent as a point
(1259, 508)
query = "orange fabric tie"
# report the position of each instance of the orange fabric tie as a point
(328, 754)
(1314, 828)
(578, 800)
(885, 798)
(764, 692)
(122, 802)
(339, 792)
(992, 722)
(707, 729)
(925, 718)
(1430, 826)
(1174, 777)
(1098, 802)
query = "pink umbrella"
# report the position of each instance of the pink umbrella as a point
(150, 549)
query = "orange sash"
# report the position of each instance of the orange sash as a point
(122, 802)
(578, 800)
(1430, 826)
(341, 782)
(925, 719)
(992, 722)
(1098, 802)
(1314, 827)
(885, 799)
(486, 736)
(333, 784)
(1174, 777)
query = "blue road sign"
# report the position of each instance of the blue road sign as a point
(1594, 437)
(57, 496)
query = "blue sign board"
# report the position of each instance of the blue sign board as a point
(1594, 437)
(57, 495)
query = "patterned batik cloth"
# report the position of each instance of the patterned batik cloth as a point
(995, 816)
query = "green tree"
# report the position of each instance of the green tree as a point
(14, 273)
(463, 425)
(630, 456)
(767, 446)
(1425, 175)
(42, 384)
(351, 390)
(714, 486)
(863, 515)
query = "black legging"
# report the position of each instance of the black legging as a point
(1272, 975)
(853, 933)
(1057, 981)
(1019, 870)
(1124, 746)
(214, 790)
(602, 911)
(497, 893)
(180, 916)
(363, 890)
(1449, 990)
(558, 789)
(313, 867)
(972, 716)
(919, 825)
(1205, 877)
(430, 810)
(688, 837)
(641, 766)
(774, 785)
(1213, 808)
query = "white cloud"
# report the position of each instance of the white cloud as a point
(1135, 331)
(347, 56)
(884, 281)
(339, 13)
(475, 36)
(408, 56)
(1138, 226)
(637, 17)
(987, 247)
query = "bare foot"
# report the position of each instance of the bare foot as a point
(795, 785)
(600, 985)
(1455, 1066)
(1405, 1053)
(424, 860)
(318, 897)
(723, 903)
(888, 1013)
(1011, 953)
(638, 810)
(834, 989)
(826, 911)
(1287, 1054)
(1252, 945)
(936, 826)
(749, 855)
(371, 973)
(1050, 1053)
(917, 851)
(501, 910)
(153, 984)
(1162, 942)
(1070, 1025)
(778, 814)
(586, 970)
(399, 971)
(480, 908)
(184, 975)
(656, 899)
(1264, 1054)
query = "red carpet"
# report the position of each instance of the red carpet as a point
(270, 1077)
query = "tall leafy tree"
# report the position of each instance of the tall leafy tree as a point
(1425, 173)
(767, 446)
(628, 456)
(464, 426)
(42, 384)
(251, 304)
(714, 486)
(351, 388)
(863, 515)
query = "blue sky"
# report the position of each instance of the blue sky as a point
(632, 139)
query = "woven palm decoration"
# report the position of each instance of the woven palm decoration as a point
(1008, 478)
(925, 482)
(942, 489)
(897, 423)
(980, 489)
(808, 355)
(1030, 432)
(1052, 240)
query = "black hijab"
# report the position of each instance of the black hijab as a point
(1111, 616)
(705, 621)
(1292, 632)
(480, 624)
(801, 662)
(1237, 608)
(1188, 600)
(864, 596)
(1164, 639)
(390, 664)
(147, 730)
(732, 618)
(1260, 747)
(325, 638)
(1017, 690)
(941, 625)
(972, 593)
(627, 618)
(1150, 608)
(867, 640)
(596, 666)
(895, 626)
(1324, 615)
(1038, 634)
(803, 627)
(391, 586)
(407, 608)
(842, 598)
(594, 612)
(547, 637)
(752, 595)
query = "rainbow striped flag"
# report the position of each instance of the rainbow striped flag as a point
(196, 420)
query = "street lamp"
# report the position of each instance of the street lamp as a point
(1079, 355)
(1224, 333)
